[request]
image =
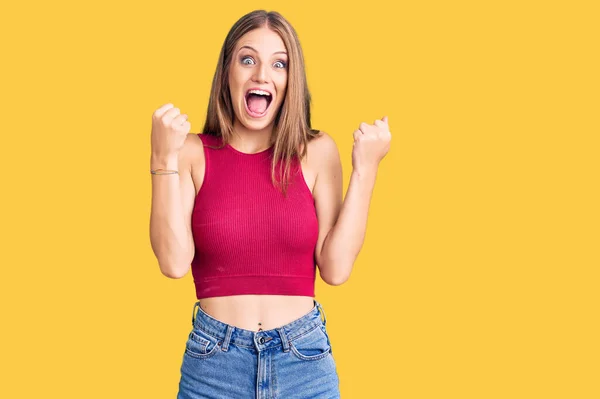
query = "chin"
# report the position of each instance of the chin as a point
(256, 125)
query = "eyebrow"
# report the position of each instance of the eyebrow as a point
(253, 49)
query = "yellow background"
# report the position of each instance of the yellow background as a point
(479, 275)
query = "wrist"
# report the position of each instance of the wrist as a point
(365, 173)
(164, 161)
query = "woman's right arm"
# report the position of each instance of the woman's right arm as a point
(172, 194)
(173, 198)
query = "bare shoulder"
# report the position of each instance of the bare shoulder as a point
(322, 150)
(191, 155)
(191, 146)
(319, 137)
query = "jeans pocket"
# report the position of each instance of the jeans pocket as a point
(201, 345)
(312, 345)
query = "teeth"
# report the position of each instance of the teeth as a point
(259, 92)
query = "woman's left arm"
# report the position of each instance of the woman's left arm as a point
(342, 225)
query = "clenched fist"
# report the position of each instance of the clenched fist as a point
(371, 144)
(169, 130)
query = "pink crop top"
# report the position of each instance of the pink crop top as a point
(248, 237)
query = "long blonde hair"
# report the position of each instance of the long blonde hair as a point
(292, 128)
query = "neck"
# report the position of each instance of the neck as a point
(248, 140)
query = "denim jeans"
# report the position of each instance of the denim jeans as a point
(294, 361)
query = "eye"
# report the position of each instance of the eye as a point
(282, 63)
(247, 58)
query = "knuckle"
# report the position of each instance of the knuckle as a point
(171, 113)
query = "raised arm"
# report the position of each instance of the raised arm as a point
(342, 225)
(173, 198)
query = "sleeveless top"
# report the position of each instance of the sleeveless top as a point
(248, 237)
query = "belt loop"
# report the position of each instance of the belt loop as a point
(322, 311)
(194, 312)
(228, 333)
(284, 340)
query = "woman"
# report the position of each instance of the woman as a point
(252, 205)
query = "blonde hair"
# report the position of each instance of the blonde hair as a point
(292, 128)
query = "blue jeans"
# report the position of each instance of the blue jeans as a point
(294, 361)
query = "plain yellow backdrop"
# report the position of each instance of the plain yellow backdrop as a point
(479, 275)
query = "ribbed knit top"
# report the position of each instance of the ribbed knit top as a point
(248, 237)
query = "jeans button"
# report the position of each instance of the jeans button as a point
(261, 340)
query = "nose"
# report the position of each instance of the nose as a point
(262, 73)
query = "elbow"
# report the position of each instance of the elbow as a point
(336, 281)
(174, 272)
(172, 264)
(335, 267)
(334, 278)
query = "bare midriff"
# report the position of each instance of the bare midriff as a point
(257, 312)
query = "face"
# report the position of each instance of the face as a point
(259, 63)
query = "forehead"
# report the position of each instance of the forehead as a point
(264, 40)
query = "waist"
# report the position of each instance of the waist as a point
(208, 286)
(247, 311)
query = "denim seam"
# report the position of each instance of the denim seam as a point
(308, 358)
(202, 341)
(303, 333)
(231, 342)
(212, 352)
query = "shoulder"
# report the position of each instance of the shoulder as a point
(192, 152)
(321, 143)
(322, 148)
(195, 143)
(191, 145)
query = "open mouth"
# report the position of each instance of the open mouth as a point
(257, 102)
